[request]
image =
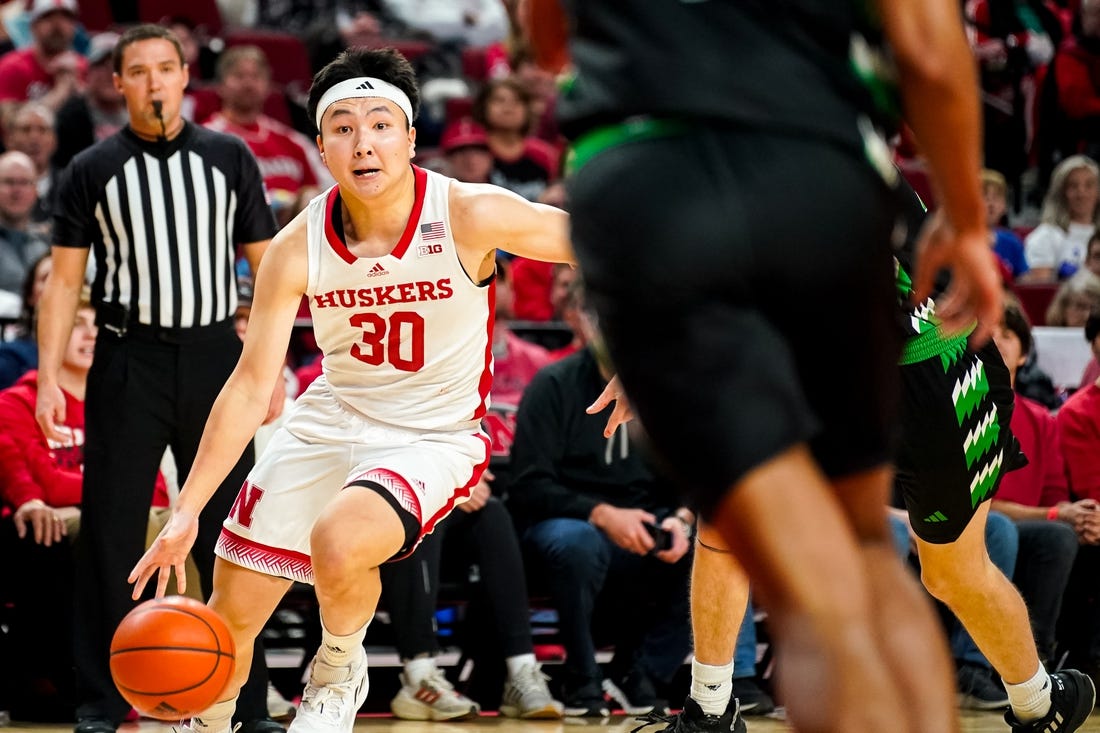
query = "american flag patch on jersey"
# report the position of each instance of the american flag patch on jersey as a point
(434, 230)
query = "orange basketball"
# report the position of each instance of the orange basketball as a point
(171, 658)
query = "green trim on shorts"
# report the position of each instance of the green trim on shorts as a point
(932, 343)
(598, 139)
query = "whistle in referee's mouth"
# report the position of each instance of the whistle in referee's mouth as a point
(158, 107)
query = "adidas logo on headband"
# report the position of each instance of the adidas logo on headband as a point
(365, 85)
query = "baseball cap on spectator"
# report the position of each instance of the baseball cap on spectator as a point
(464, 133)
(101, 47)
(37, 8)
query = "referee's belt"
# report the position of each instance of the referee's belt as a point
(116, 321)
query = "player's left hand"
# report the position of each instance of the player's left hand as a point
(680, 542)
(480, 495)
(623, 412)
(975, 292)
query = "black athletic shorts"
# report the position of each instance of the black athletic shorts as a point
(745, 286)
(956, 443)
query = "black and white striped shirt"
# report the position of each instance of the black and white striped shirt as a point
(164, 219)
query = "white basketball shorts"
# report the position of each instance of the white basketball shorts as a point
(321, 449)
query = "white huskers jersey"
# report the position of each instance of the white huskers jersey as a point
(406, 337)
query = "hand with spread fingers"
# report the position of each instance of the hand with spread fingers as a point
(169, 551)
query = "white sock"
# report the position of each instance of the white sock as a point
(518, 662)
(341, 651)
(711, 686)
(418, 668)
(1030, 700)
(217, 718)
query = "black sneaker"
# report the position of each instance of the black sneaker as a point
(635, 694)
(1072, 697)
(692, 719)
(977, 690)
(754, 701)
(586, 701)
(94, 725)
(261, 725)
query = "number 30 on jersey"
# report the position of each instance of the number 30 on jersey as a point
(398, 340)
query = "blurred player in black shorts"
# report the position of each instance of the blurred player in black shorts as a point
(955, 446)
(729, 168)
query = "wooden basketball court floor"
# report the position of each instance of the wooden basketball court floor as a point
(971, 723)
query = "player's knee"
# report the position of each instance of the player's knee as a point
(948, 581)
(336, 552)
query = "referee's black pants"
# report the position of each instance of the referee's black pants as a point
(146, 391)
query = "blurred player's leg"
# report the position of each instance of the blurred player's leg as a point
(819, 594)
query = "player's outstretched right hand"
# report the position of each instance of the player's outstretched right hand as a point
(169, 551)
(622, 413)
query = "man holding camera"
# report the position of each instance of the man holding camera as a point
(600, 526)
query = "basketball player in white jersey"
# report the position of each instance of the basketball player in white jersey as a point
(397, 264)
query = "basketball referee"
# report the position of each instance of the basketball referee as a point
(163, 203)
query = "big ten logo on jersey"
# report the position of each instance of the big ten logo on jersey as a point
(425, 250)
(245, 506)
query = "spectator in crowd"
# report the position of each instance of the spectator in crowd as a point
(543, 91)
(594, 510)
(292, 169)
(1076, 76)
(1079, 432)
(191, 38)
(31, 130)
(20, 245)
(1078, 424)
(1011, 39)
(40, 493)
(566, 298)
(1092, 335)
(19, 352)
(515, 360)
(341, 26)
(96, 114)
(1092, 254)
(1037, 498)
(467, 22)
(1076, 299)
(522, 163)
(302, 16)
(1071, 211)
(533, 280)
(1007, 246)
(49, 70)
(465, 146)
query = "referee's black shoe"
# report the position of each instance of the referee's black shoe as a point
(692, 719)
(1072, 697)
(94, 725)
(261, 725)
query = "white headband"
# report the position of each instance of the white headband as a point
(363, 86)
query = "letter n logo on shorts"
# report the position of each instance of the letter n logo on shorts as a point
(245, 505)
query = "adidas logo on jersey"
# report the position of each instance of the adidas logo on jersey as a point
(377, 270)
